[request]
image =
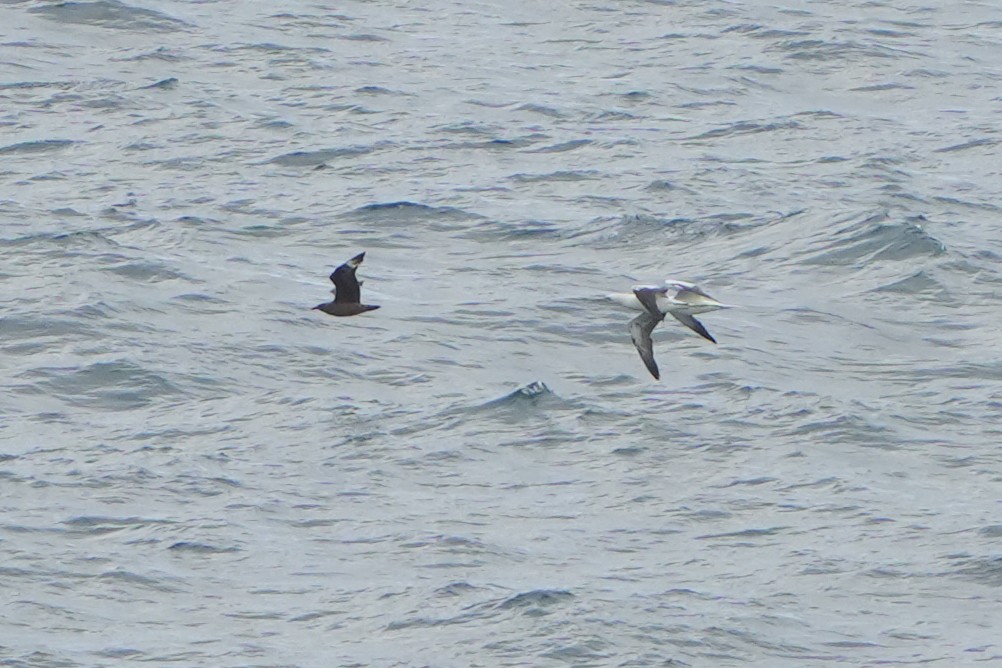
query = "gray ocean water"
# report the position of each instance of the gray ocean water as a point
(198, 470)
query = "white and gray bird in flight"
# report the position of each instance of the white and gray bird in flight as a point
(679, 299)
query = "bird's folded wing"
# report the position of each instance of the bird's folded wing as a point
(649, 298)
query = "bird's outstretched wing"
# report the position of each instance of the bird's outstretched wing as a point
(694, 325)
(640, 331)
(347, 288)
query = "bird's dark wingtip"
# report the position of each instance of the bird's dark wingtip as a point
(357, 260)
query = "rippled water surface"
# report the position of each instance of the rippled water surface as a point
(197, 469)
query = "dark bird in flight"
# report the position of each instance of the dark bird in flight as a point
(347, 291)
